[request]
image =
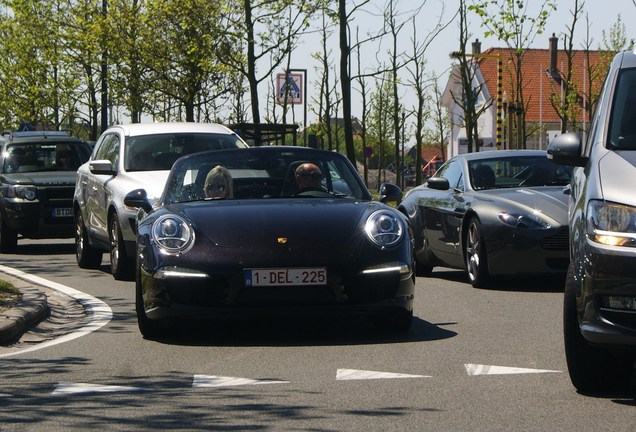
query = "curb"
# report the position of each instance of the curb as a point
(30, 311)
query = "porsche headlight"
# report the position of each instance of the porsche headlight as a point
(521, 220)
(172, 234)
(29, 193)
(384, 229)
(611, 224)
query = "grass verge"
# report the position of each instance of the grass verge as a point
(8, 294)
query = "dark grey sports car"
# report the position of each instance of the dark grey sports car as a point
(268, 248)
(500, 212)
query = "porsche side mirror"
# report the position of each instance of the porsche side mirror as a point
(565, 149)
(138, 198)
(389, 193)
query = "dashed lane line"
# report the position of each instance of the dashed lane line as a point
(478, 369)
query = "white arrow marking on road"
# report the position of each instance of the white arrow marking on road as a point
(223, 381)
(67, 388)
(477, 369)
(3, 395)
(355, 374)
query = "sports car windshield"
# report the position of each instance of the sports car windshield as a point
(526, 171)
(264, 173)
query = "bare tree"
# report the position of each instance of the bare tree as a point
(420, 83)
(470, 88)
(566, 100)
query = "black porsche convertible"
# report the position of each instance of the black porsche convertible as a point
(267, 248)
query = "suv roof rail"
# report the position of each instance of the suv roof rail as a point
(25, 134)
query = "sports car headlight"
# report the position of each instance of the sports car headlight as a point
(520, 220)
(384, 229)
(29, 193)
(172, 234)
(611, 224)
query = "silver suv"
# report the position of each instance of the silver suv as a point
(600, 292)
(128, 157)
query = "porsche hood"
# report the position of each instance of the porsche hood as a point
(297, 224)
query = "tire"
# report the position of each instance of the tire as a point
(148, 328)
(591, 369)
(86, 255)
(8, 238)
(475, 255)
(120, 264)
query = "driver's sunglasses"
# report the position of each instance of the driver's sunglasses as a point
(212, 187)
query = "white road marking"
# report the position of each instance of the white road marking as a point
(201, 381)
(69, 388)
(98, 312)
(355, 374)
(477, 369)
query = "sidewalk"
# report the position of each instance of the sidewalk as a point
(29, 312)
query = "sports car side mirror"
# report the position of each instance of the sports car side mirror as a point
(565, 149)
(438, 183)
(390, 192)
(138, 199)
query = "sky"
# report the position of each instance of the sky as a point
(602, 15)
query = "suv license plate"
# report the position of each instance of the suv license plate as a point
(62, 212)
(286, 276)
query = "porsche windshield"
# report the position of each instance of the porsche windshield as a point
(263, 173)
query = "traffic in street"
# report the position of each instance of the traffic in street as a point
(474, 359)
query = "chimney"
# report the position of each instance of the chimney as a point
(554, 46)
(476, 47)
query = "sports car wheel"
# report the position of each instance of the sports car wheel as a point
(148, 328)
(120, 265)
(8, 238)
(475, 255)
(87, 256)
(591, 369)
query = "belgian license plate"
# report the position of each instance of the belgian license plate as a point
(286, 276)
(62, 212)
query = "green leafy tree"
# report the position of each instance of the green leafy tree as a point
(182, 42)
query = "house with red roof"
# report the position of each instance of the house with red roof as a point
(543, 72)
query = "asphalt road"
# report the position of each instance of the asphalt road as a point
(474, 360)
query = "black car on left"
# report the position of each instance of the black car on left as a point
(266, 248)
(38, 170)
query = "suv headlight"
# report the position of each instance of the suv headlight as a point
(172, 234)
(384, 229)
(611, 224)
(29, 193)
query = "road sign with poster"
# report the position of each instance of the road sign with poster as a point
(292, 87)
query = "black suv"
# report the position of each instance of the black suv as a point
(600, 293)
(37, 179)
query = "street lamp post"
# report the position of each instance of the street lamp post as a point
(499, 99)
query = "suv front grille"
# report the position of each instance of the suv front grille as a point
(55, 197)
